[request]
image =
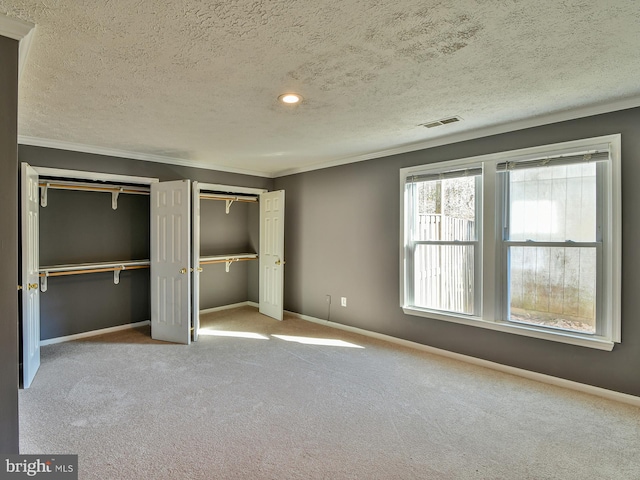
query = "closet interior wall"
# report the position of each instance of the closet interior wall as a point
(81, 227)
(222, 234)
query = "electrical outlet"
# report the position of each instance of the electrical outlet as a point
(328, 299)
(343, 301)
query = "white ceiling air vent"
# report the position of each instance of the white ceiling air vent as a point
(443, 121)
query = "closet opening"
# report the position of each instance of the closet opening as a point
(85, 256)
(228, 250)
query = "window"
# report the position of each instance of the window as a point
(526, 242)
(442, 240)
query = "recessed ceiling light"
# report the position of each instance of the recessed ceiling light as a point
(290, 98)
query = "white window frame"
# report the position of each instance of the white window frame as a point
(410, 244)
(492, 288)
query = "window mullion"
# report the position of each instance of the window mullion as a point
(604, 327)
(410, 227)
(502, 234)
(490, 285)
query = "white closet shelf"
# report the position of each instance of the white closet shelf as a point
(226, 259)
(82, 268)
(115, 190)
(88, 187)
(229, 199)
(71, 269)
(233, 257)
(224, 196)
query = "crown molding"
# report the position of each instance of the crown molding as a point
(147, 157)
(23, 50)
(18, 30)
(554, 117)
(14, 27)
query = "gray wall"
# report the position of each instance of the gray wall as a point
(8, 246)
(78, 227)
(342, 239)
(81, 227)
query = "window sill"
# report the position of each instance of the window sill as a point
(590, 341)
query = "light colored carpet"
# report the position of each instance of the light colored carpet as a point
(264, 408)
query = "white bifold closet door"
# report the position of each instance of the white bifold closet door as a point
(30, 275)
(195, 259)
(272, 254)
(170, 261)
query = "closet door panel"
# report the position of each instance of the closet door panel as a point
(30, 275)
(272, 254)
(195, 304)
(170, 261)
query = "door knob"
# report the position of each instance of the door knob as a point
(183, 270)
(33, 286)
(278, 262)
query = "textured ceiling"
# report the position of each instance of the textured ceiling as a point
(198, 81)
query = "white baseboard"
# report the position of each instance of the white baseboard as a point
(539, 377)
(102, 331)
(93, 333)
(228, 307)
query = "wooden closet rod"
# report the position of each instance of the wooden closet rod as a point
(93, 270)
(208, 196)
(91, 188)
(230, 259)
